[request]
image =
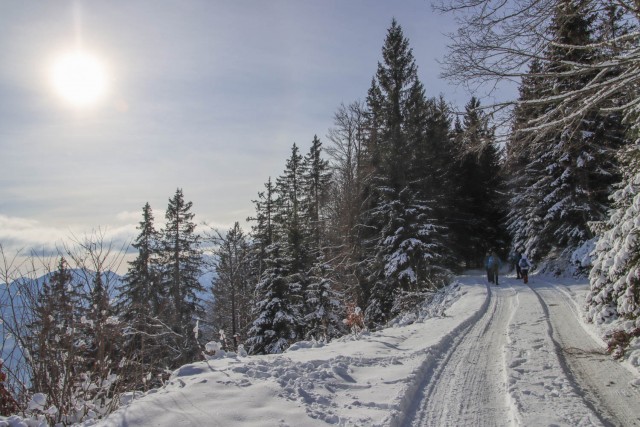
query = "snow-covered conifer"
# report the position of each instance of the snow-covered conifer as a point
(564, 183)
(139, 306)
(277, 316)
(181, 260)
(615, 274)
(402, 234)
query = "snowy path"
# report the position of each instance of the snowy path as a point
(605, 382)
(527, 361)
(468, 384)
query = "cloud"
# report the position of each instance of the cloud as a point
(25, 234)
(129, 216)
(28, 235)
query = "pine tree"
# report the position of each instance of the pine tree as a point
(277, 317)
(315, 177)
(571, 168)
(479, 206)
(290, 213)
(141, 301)
(263, 231)
(615, 275)
(181, 268)
(398, 213)
(56, 346)
(232, 295)
(524, 167)
(326, 310)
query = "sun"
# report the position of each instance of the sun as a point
(79, 78)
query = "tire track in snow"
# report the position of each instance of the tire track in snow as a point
(604, 382)
(468, 383)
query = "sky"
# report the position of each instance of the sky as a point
(207, 96)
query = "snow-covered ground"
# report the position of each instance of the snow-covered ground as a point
(479, 355)
(508, 355)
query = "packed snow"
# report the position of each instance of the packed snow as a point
(476, 354)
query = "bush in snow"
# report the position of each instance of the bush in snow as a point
(571, 262)
(619, 340)
(355, 319)
(432, 304)
(8, 404)
(213, 349)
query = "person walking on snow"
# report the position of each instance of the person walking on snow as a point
(492, 264)
(517, 257)
(524, 265)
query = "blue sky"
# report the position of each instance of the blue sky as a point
(207, 96)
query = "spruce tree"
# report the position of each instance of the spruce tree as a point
(277, 317)
(614, 287)
(263, 230)
(325, 307)
(322, 308)
(579, 174)
(292, 222)
(524, 167)
(479, 205)
(398, 214)
(315, 177)
(571, 166)
(614, 277)
(181, 260)
(290, 209)
(102, 334)
(140, 305)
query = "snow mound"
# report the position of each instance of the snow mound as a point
(364, 379)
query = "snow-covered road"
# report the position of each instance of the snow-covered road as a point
(603, 381)
(475, 356)
(468, 383)
(528, 361)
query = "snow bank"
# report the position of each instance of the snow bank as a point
(368, 379)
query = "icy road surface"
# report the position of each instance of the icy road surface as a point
(477, 355)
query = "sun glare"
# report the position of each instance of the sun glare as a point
(79, 78)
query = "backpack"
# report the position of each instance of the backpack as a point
(490, 262)
(523, 263)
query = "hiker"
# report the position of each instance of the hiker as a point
(516, 262)
(492, 264)
(524, 265)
